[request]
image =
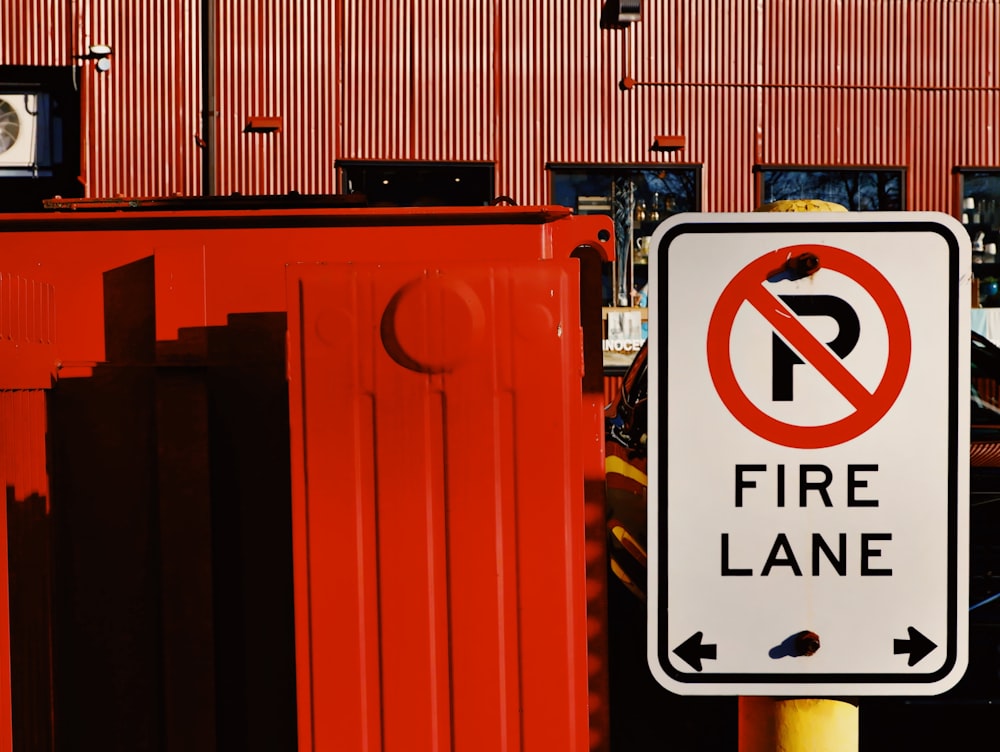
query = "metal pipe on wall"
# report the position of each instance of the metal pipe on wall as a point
(209, 115)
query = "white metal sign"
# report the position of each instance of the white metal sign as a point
(808, 453)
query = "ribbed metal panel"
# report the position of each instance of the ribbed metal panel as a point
(826, 83)
(22, 448)
(953, 44)
(711, 42)
(579, 72)
(832, 44)
(447, 632)
(377, 72)
(453, 92)
(521, 95)
(25, 573)
(25, 41)
(419, 80)
(901, 83)
(832, 126)
(25, 484)
(785, 82)
(142, 116)
(277, 59)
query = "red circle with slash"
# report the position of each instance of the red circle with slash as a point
(869, 407)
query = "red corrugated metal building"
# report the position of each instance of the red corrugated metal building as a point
(638, 108)
(905, 84)
(542, 102)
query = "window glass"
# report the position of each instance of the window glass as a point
(658, 192)
(419, 183)
(981, 217)
(854, 189)
(980, 204)
(638, 198)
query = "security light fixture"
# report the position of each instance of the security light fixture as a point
(618, 14)
(100, 54)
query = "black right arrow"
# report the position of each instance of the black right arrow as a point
(917, 646)
(691, 651)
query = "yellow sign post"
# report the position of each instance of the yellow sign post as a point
(768, 724)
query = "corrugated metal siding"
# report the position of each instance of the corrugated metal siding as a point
(828, 126)
(419, 81)
(22, 446)
(521, 90)
(142, 116)
(377, 72)
(700, 59)
(834, 79)
(901, 83)
(558, 74)
(826, 83)
(35, 32)
(277, 59)
(453, 93)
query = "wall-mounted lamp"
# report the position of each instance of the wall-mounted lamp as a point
(668, 143)
(100, 54)
(618, 14)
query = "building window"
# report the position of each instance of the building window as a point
(980, 191)
(419, 183)
(638, 198)
(981, 209)
(856, 189)
(39, 135)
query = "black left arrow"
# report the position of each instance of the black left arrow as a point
(691, 651)
(917, 646)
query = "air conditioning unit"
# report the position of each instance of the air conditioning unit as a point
(24, 132)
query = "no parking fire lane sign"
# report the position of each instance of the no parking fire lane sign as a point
(808, 453)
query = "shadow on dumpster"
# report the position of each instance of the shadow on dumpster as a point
(172, 612)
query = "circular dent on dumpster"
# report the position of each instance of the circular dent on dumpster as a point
(331, 324)
(433, 324)
(535, 322)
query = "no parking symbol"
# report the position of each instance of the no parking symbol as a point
(783, 315)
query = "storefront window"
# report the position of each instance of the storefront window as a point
(856, 189)
(638, 198)
(419, 183)
(981, 217)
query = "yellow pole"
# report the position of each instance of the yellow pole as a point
(768, 724)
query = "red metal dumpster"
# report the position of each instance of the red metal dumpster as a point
(419, 471)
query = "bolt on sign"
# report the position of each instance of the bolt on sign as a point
(808, 453)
